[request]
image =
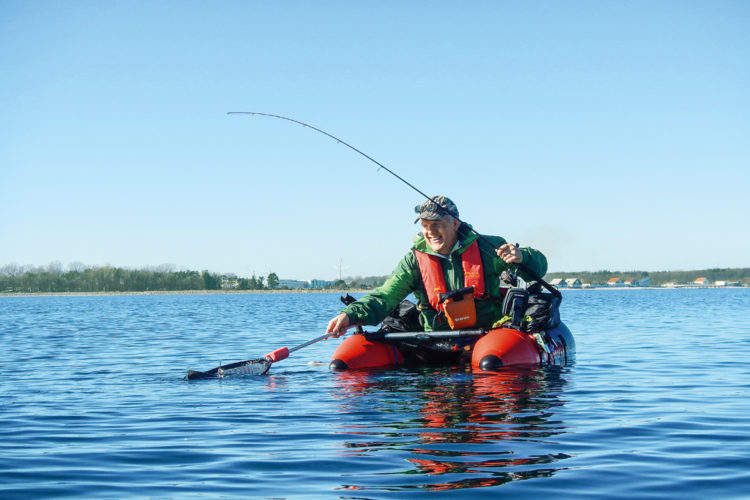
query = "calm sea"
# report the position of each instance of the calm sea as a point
(93, 404)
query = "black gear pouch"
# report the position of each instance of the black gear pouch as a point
(405, 318)
(514, 305)
(544, 311)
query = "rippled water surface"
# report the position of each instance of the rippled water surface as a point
(93, 404)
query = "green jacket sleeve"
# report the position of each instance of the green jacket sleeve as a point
(375, 306)
(534, 260)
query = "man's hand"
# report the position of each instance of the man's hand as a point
(338, 325)
(510, 253)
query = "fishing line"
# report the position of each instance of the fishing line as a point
(521, 266)
(376, 162)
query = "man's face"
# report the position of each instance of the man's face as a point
(441, 235)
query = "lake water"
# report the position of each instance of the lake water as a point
(93, 404)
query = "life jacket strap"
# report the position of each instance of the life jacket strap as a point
(433, 279)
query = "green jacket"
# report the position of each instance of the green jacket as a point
(406, 278)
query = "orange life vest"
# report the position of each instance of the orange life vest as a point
(434, 280)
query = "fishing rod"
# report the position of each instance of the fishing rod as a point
(520, 265)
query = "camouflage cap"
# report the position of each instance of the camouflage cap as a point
(431, 211)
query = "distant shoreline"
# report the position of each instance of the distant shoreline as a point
(305, 291)
(682, 287)
(173, 292)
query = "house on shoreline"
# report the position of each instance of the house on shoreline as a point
(573, 283)
(722, 283)
(640, 282)
(567, 283)
(299, 284)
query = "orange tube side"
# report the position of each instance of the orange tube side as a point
(358, 353)
(514, 348)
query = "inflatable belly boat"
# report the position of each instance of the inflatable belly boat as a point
(485, 349)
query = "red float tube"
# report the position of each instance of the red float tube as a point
(500, 347)
(356, 353)
(506, 347)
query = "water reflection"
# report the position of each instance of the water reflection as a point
(454, 429)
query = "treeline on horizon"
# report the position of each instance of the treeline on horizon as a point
(78, 278)
(54, 279)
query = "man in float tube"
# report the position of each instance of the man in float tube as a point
(447, 256)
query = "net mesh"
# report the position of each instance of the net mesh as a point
(256, 367)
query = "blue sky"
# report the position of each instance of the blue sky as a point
(609, 135)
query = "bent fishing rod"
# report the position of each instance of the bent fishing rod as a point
(520, 265)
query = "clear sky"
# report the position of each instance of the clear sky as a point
(608, 134)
